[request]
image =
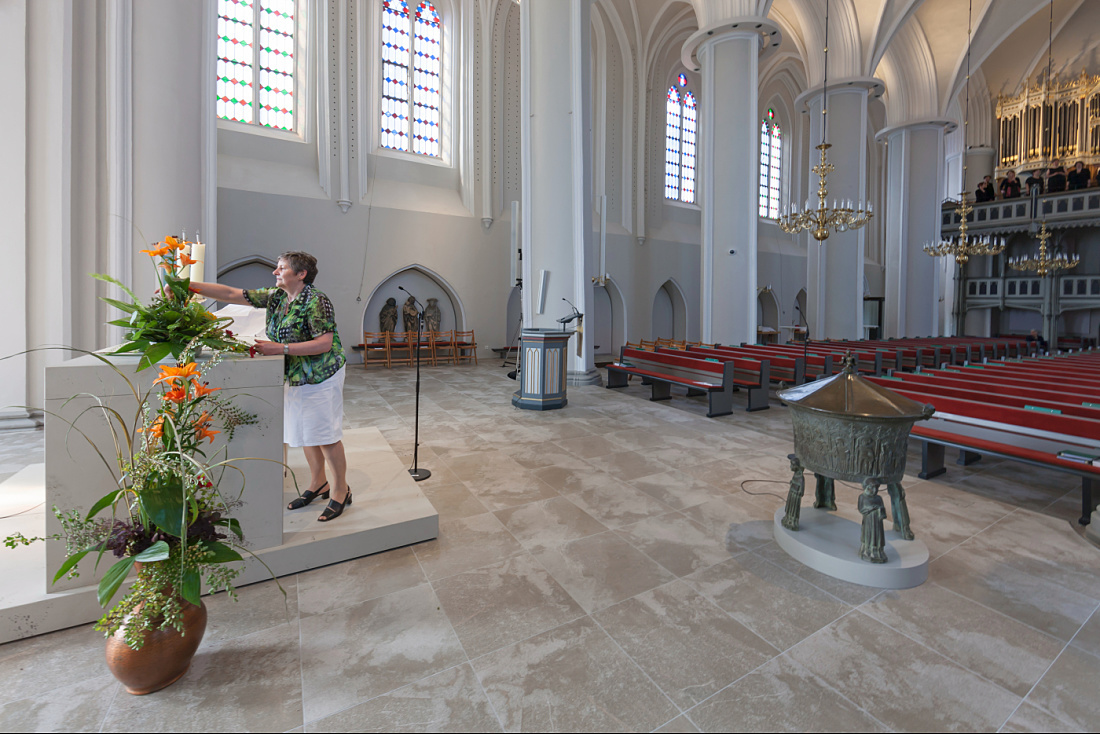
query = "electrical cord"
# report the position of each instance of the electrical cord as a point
(22, 512)
(761, 494)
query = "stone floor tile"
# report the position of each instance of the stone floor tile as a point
(77, 707)
(1068, 690)
(677, 489)
(250, 683)
(360, 579)
(1030, 718)
(904, 684)
(503, 603)
(627, 465)
(1007, 652)
(452, 501)
(775, 604)
(1088, 638)
(689, 647)
(465, 544)
(548, 523)
(572, 678)
(355, 653)
(258, 607)
(447, 701)
(601, 570)
(781, 696)
(38, 664)
(585, 447)
(679, 544)
(616, 503)
(854, 594)
(738, 523)
(680, 725)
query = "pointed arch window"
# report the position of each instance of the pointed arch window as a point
(771, 158)
(255, 68)
(680, 141)
(412, 73)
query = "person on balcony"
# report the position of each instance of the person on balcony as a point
(1010, 187)
(1034, 182)
(1079, 177)
(985, 190)
(1056, 177)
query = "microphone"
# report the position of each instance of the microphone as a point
(576, 314)
(417, 302)
(571, 305)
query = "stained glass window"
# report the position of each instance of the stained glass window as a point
(680, 141)
(771, 158)
(256, 62)
(412, 67)
(672, 145)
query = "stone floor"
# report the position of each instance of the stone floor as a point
(610, 566)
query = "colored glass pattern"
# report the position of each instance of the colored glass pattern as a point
(682, 79)
(412, 68)
(765, 162)
(687, 151)
(672, 145)
(255, 68)
(771, 163)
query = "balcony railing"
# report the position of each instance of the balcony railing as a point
(1079, 208)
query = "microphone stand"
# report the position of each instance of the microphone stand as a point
(417, 473)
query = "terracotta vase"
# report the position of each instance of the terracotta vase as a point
(163, 659)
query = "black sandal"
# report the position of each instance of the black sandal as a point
(306, 497)
(335, 509)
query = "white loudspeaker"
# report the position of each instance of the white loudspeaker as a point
(544, 276)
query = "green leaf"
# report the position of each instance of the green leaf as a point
(220, 553)
(233, 524)
(129, 347)
(115, 281)
(191, 590)
(120, 322)
(70, 562)
(127, 307)
(162, 500)
(154, 354)
(105, 501)
(113, 579)
(156, 552)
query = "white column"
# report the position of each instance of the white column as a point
(13, 212)
(834, 282)
(979, 164)
(915, 160)
(557, 170)
(729, 153)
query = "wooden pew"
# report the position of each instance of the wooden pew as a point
(718, 380)
(791, 370)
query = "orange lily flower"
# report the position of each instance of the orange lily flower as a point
(159, 252)
(176, 394)
(157, 429)
(202, 390)
(185, 260)
(168, 265)
(169, 373)
(171, 243)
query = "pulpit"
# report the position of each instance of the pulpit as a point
(543, 356)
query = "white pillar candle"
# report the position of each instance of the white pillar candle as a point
(185, 271)
(198, 254)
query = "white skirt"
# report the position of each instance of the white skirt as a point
(313, 415)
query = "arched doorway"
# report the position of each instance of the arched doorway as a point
(800, 315)
(248, 272)
(424, 284)
(669, 312)
(767, 316)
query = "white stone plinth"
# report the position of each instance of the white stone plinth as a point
(829, 543)
(1092, 530)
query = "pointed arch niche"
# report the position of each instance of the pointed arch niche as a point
(608, 319)
(249, 272)
(669, 312)
(767, 315)
(422, 282)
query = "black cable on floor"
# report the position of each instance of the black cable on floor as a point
(760, 494)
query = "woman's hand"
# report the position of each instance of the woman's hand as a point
(268, 349)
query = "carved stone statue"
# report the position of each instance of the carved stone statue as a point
(900, 510)
(410, 314)
(872, 536)
(433, 317)
(825, 493)
(387, 318)
(794, 494)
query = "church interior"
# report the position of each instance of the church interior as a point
(655, 165)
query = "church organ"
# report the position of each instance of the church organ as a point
(1039, 125)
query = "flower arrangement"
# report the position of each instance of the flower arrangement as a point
(167, 513)
(172, 323)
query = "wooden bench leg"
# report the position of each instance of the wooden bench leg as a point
(616, 378)
(931, 460)
(721, 403)
(966, 458)
(758, 398)
(659, 390)
(899, 510)
(1087, 505)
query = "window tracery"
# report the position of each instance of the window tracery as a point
(255, 68)
(771, 159)
(412, 67)
(680, 142)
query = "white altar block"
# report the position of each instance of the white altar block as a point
(76, 476)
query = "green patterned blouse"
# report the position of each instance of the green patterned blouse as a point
(307, 317)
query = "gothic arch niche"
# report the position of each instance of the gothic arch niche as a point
(608, 318)
(767, 311)
(669, 312)
(424, 284)
(800, 308)
(248, 272)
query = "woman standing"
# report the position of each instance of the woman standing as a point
(302, 323)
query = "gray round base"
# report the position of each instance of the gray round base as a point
(829, 543)
(1092, 530)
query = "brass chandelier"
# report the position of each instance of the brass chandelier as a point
(1044, 264)
(841, 216)
(962, 246)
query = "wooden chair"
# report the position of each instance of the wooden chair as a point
(443, 346)
(402, 347)
(376, 348)
(648, 346)
(465, 346)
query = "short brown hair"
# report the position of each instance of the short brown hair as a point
(299, 261)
